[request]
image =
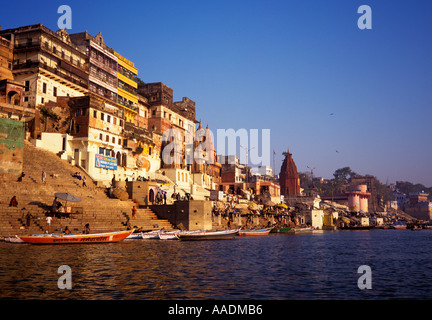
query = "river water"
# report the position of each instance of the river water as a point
(314, 265)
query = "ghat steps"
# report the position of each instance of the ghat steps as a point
(34, 196)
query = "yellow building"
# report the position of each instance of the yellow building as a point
(127, 96)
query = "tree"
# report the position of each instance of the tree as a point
(343, 174)
(48, 114)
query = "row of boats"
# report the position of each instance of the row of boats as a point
(198, 235)
(106, 237)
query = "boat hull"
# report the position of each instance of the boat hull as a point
(252, 232)
(208, 235)
(282, 230)
(77, 238)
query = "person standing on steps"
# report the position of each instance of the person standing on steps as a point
(134, 212)
(84, 182)
(48, 223)
(43, 176)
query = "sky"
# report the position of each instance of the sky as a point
(332, 94)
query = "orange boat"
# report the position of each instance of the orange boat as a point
(77, 238)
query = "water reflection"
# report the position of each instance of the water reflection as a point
(307, 266)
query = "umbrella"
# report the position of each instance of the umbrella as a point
(67, 197)
(282, 205)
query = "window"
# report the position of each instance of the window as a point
(113, 139)
(26, 99)
(109, 118)
(114, 120)
(94, 114)
(107, 138)
(119, 141)
(44, 87)
(102, 116)
(55, 91)
(100, 136)
(27, 86)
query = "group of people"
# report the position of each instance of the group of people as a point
(80, 178)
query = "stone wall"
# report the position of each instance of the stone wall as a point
(193, 214)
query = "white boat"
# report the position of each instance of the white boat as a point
(154, 234)
(169, 235)
(303, 229)
(208, 235)
(13, 239)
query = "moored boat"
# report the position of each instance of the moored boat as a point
(168, 235)
(208, 235)
(301, 229)
(105, 237)
(254, 232)
(357, 228)
(13, 239)
(282, 230)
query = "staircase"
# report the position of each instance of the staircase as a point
(96, 208)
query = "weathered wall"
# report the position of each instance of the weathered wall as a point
(11, 146)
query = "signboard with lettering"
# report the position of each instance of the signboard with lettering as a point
(105, 162)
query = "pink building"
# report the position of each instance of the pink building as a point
(358, 198)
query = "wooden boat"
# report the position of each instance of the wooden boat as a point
(282, 230)
(297, 230)
(13, 239)
(77, 238)
(399, 226)
(207, 235)
(357, 228)
(255, 232)
(168, 235)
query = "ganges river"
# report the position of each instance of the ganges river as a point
(315, 265)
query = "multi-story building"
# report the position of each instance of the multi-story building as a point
(11, 91)
(127, 85)
(102, 64)
(48, 64)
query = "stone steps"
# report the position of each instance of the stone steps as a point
(100, 211)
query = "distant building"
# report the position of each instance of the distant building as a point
(289, 179)
(236, 178)
(358, 198)
(418, 206)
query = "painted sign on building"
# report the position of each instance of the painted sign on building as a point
(105, 162)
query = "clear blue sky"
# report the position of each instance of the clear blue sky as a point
(333, 94)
